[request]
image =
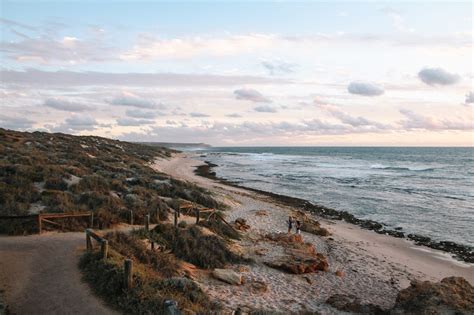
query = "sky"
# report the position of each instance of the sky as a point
(242, 73)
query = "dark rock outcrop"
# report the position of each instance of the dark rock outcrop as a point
(352, 304)
(453, 295)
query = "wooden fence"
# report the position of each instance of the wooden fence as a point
(48, 217)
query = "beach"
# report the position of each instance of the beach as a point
(374, 267)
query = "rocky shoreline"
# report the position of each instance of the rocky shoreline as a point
(461, 252)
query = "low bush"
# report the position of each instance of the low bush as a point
(220, 228)
(149, 291)
(132, 246)
(192, 245)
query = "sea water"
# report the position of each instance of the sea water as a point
(428, 191)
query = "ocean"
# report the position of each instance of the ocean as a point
(428, 191)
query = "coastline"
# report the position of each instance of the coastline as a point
(460, 252)
(186, 168)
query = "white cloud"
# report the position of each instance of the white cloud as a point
(233, 115)
(133, 100)
(276, 67)
(438, 76)
(15, 122)
(66, 105)
(470, 98)
(354, 121)
(197, 114)
(251, 95)
(150, 47)
(365, 89)
(418, 121)
(134, 122)
(265, 109)
(137, 113)
(35, 77)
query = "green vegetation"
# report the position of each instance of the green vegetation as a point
(193, 245)
(63, 173)
(150, 288)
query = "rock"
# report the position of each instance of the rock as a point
(308, 279)
(314, 227)
(350, 303)
(241, 224)
(285, 238)
(419, 239)
(260, 251)
(258, 287)
(452, 295)
(300, 265)
(261, 212)
(339, 273)
(227, 275)
(299, 257)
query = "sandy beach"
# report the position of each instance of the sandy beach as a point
(374, 267)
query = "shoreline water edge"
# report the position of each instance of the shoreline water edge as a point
(460, 252)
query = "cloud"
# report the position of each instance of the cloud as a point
(438, 76)
(16, 123)
(417, 121)
(233, 115)
(81, 122)
(470, 98)
(276, 67)
(150, 47)
(196, 114)
(134, 122)
(265, 109)
(35, 77)
(137, 113)
(74, 124)
(397, 20)
(66, 105)
(365, 89)
(354, 121)
(251, 95)
(132, 100)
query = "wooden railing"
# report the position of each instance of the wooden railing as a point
(45, 218)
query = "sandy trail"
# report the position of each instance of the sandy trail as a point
(376, 266)
(40, 275)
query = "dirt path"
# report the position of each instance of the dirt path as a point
(40, 275)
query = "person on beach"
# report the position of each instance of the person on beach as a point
(298, 227)
(290, 224)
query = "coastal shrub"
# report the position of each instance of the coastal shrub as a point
(220, 228)
(149, 292)
(55, 183)
(131, 246)
(57, 201)
(113, 177)
(192, 245)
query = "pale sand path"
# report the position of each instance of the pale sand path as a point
(40, 275)
(369, 260)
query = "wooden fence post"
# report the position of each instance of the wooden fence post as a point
(131, 217)
(197, 215)
(175, 218)
(104, 249)
(88, 241)
(128, 268)
(40, 227)
(91, 223)
(147, 222)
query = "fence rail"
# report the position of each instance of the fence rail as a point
(41, 218)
